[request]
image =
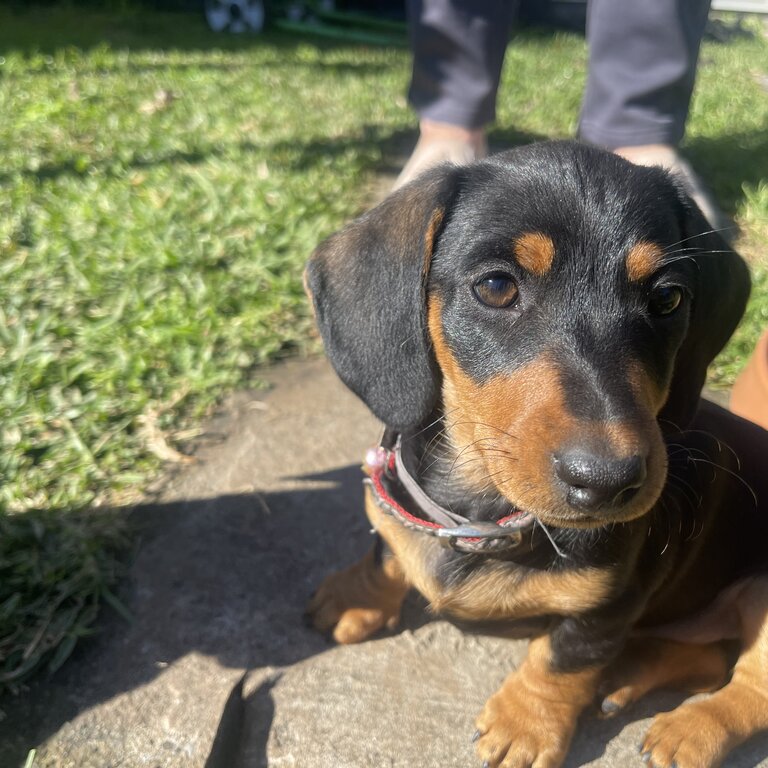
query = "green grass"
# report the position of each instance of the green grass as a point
(161, 189)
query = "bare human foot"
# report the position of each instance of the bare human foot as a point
(442, 143)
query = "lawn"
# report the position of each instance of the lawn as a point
(161, 189)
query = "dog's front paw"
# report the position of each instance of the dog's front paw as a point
(690, 736)
(529, 721)
(340, 606)
(518, 731)
(700, 733)
(357, 602)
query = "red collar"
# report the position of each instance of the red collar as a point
(388, 476)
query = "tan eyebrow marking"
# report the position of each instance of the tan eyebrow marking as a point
(643, 260)
(534, 252)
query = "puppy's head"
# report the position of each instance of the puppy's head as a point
(558, 304)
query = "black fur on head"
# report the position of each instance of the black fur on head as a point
(368, 282)
(720, 296)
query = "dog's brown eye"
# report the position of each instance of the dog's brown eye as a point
(665, 299)
(496, 290)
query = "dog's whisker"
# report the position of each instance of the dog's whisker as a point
(557, 549)
(715, 231)
(720, 443)
(476, 423)
(733, 474)
(437, 420)
(684, 484)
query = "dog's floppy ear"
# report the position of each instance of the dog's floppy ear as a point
(720, 296)
(367, 283)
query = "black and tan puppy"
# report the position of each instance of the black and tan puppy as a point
(536, 328)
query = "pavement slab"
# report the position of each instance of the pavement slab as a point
(217, 669)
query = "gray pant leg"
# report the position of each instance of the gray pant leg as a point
(458, 49)
(642, 66)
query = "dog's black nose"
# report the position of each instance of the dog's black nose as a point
(596, 482)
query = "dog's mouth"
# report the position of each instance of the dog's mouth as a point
(523, 515)
(517, 519)
(581, 521)
(522, 520)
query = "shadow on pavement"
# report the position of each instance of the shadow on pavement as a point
(227, 577)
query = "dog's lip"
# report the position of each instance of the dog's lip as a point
(517, 518)
(586, 521)
(520, 518)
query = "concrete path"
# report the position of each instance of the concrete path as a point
(217, 669)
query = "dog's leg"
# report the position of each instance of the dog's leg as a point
(649, 664)
(360, 600)
(530, 720)
(699, 734)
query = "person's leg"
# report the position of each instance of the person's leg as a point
(458, 50)
(642, 68)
